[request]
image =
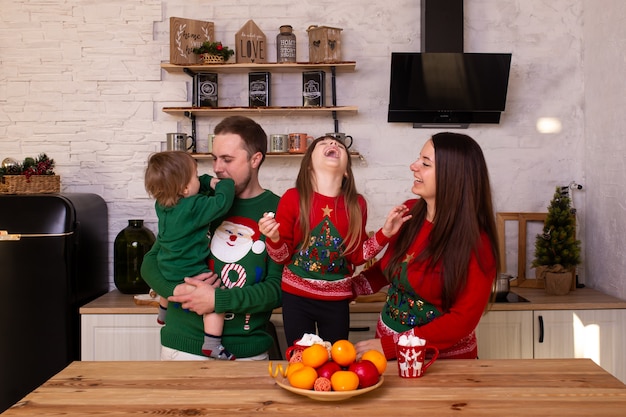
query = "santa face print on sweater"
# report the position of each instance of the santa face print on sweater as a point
(234, 246)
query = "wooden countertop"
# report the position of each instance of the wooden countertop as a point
(115, 302)
(468, 388)
(579, 299)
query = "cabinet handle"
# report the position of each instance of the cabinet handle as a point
(360, 329)
(540, 329)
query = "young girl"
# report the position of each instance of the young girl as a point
(318, 233)
(185, 213)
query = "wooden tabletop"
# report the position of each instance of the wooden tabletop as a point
(511, 388)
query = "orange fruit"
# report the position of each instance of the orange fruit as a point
(343, 352)
(344, 381)
(293, 367)
(377, 359)
(303, 377)
(315, 355)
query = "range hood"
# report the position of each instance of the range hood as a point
(443, 86)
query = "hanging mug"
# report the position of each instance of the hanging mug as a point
(298, 142)
(345, 139)
(279, 143)
(210, 141)
(179, 142)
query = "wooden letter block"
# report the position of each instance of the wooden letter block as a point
(185, 35)
(250, 44)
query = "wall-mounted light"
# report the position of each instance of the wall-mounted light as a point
(548, 125)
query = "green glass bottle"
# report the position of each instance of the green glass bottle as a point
(131, 244)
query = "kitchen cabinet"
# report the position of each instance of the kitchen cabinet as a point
(298, 67)
(505, 335)
(120, 337)
(113, 327)
(582, 324)
(599, 335)
(546, 328)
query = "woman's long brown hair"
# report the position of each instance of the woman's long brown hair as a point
(464, 209)
(304, 185)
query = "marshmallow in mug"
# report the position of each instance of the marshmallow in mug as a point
(308, 339)
(411, 340)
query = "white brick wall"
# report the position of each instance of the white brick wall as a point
(80, 80)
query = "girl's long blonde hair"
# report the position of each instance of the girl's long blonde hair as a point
(304, 185)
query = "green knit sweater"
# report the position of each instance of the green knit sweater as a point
(248, 304)
(183, 237)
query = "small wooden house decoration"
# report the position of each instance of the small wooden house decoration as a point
(250, 44)
(185, 35)
(324, 44)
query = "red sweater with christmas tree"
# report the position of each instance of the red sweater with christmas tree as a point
(414, 299)
(321, 270)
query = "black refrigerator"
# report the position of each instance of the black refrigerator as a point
(53, 260)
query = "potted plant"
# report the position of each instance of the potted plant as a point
(213, 52)
(557, 252)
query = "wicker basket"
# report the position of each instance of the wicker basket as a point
(36, 184)
(212, 59)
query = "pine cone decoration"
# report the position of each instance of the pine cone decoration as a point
(42, 165)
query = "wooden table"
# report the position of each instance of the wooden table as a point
(509, 388)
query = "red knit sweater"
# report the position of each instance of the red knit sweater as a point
(451, 332)
(320, 271)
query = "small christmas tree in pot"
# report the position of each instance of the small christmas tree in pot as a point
(557, 252)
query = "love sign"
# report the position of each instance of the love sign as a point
(250, 44)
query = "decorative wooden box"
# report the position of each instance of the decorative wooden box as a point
(185, 35)
(36, 184)
(324, 44)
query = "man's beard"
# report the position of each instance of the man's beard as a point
(239, 188)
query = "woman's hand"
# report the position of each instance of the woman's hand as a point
(269, 227)
(197, 294)
(365, 345)
(395, 219)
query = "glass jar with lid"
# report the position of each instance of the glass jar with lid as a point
(286, 45)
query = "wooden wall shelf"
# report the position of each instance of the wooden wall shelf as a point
(272, 111)
(346, 66)
(209, 156)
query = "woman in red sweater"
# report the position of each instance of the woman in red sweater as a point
(319, 235)
(442, 265)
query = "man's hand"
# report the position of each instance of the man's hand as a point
(197, 294)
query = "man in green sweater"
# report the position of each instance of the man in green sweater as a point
(245, 284)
